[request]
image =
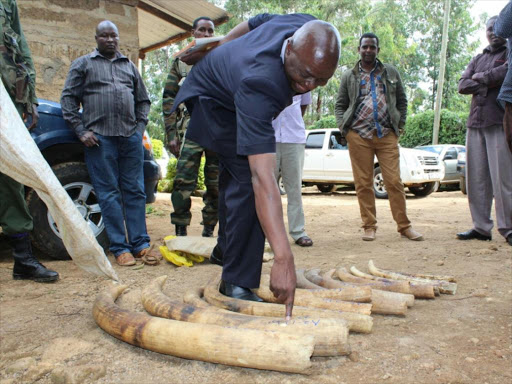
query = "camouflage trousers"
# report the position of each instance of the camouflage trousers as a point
(185, 184)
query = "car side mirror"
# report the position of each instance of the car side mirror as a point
(448, 156)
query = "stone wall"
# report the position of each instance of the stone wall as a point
(59, 31)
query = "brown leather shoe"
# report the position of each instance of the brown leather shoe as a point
(369, 234)
(125, 259)
(411, 234)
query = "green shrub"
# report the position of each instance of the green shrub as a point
(167, 183)
(418, 129)
(325, 122)
(158, 147)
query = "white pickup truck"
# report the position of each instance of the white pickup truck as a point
(327, 164)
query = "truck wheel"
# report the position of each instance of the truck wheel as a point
(280, 184)
(46, 236)
(425, 189)
(378, 184)
(462, 185)
(326, 188)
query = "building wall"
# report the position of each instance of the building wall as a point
(59, 31)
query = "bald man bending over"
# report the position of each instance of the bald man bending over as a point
(233, 93)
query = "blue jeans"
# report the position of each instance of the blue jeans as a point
(116, 171)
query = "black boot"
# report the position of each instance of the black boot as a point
(181, 230)
(26, 266)
(216, 257)
(208, 230)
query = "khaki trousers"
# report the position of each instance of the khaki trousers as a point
(362, 152)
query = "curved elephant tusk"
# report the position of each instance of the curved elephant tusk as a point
(444, 286)
(356, 322)
(305, 300)
(303, 282)
(419, 290)
(390, 285)
(384, 303)
(238, 347)
(330, 335)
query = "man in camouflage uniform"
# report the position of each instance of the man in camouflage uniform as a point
(19, 77)
(189, 160)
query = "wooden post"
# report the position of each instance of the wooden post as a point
(442, 67)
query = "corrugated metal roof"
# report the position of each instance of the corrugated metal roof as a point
(164, 22)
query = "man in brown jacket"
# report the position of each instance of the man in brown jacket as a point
(488, 164)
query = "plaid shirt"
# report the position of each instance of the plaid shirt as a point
(371, 113)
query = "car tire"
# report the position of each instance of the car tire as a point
(462, 185)
(326, 188)
(378, 184)
(425, 189)
(74, 177)
(280, 184)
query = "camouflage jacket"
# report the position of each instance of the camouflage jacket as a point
(175, 123)
(16, 65)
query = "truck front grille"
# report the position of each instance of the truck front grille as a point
(428, 160)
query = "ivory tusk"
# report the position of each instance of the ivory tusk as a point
(310, 301)
(419, 290)
(444, 286)
(249, 348)
(384, 303)
(303, 282)
(390, 285)
(331, 335)
(356, 322)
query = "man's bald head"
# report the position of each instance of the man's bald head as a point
(312, 55)
(107, 38)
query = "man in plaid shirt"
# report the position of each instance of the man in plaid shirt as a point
(371, 109)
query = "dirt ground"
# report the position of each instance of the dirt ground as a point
(48, 335)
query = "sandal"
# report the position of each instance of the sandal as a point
(148, 257)
(304, 241)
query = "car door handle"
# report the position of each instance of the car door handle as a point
(329, 155)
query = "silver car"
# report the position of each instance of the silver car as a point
(449, 153)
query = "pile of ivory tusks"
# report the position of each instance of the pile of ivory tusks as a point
(211, 327)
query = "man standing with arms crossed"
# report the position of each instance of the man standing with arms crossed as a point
(189, 160)
(115, 107)
(19, 78)
(370, 112)
(489, 160)
(290, 145)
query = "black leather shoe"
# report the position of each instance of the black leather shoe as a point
(216, 257)
(237, 292)
(26, 266)
(472, 234)
(181, 230)
(509, 239)
(208, 230)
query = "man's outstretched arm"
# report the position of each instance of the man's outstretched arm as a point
(270, 214)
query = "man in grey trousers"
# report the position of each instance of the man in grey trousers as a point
(489, 161)
(290, 134)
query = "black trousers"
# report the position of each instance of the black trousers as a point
(241, 238)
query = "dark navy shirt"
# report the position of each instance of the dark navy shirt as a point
(503, 28)
(236, 90)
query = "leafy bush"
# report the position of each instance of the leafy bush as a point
(328, 121)
(158, 147)
(418, 129)
(167, 184)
